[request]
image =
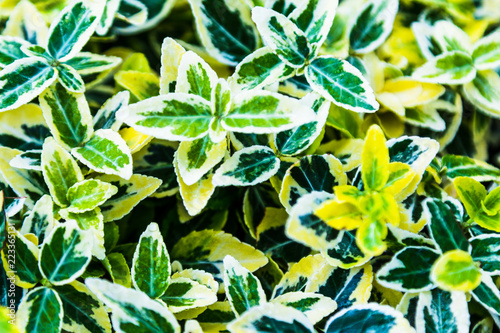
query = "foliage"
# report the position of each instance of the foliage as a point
(249, 166)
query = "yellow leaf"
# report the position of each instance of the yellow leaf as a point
(135, 140)
(340, 215)
(375, 160)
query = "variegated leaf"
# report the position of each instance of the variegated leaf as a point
(88, 194)
(347, 253)
(130, 193)
(486, 54)
(184, 294)
(40, 311)
(132, 310)
(70, 79)
(452, 68)
(247, 167)
(216, 316)
(117, 267)
(487, 294)
(484, 93)
(141, 85)
(463, 166)
(23, 80)
(30, 160)
(107, 17)
(71, 30)
(40, 221)
(373, 25)
(283, 36)
(10, 49)
(195, 76)
(225, 29)
(65, 254)
(314, 305)
(485, 249)
(68, 116)
(106, 152)
(341, 83)
(86, 63)
(132, 12)
(455, 270)
(171, 117)
(243, 289)
(27, 23)
(151, 263)
(171, 55)
(105, 118)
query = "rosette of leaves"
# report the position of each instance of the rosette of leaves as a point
(453, 59)
(29, 69)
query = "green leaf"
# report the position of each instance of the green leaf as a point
(444, 226)
(105, 118)
(23, 80)
(314, 306)
(375, 160)
(195, 76)
(261, 112)
(60, 171)
(70, 79)
(313, 173)
(247, 167)
(106, 152)
(283, 36)
(471, 193)
(484, 92)
(40, 221)
(442, 311)
(272, 317)
(259, 69)
(86, 63)
(366, 318)
(184, 294)
(373, 25)
(486, 54)
(171, 117)
(151, 263)
(487, 294)
(226, 29)
(341, 83)
(24, 266)
(130, 193)
(65, 254)
(409, 270)
(456, 271)
(486, 249)
(71, 30)
(88, 194)
(243, 289)
(196, 158)
(68, 116)
(117, 267)
(452, 68)
(40, 311)
(463, 166)
(132, 310)
(370, 237)
(83, 311)
(10, 49)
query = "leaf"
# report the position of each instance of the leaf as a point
(375, 160)
(314, 306)
(463, 166)
(449, 37)
(283, 36)
(30, 160)
(486, 54)
(105, 118)
(366, 317)
(23, 269)
(151, 263)
(40, 221)
(487, 294)
(171, 117)
(184, 294)
(132, 310)
(247, 167)
(243, 289)
(226, 29)
(442, 311)
(23, 80)
(65, 254)
(106, 152)
(141, 85)
(68, 116)
(485, 250)
(261, 112)
(312, 173)
(444, 226)
(456, 271)
(484, 93)
(71, 30)
(370, 237)
(117, 267)
(107, 17)
(471, 193)
(83, 311)
(132, 12)
(89, 194)
(130, 193)
(347, 253)
(409, 270)
(216, 316)
(258, 69)
(10, 49)
(40, 311)
(273, 317)
(70, 79)
(452, 68)
(341, 83)
(206, 249)
(373, 25)
(86, 63)
(171, 55)
(195, 77)
(196, 158)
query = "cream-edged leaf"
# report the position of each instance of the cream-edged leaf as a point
(106, 116)
(40, 311)
(171, 55)
(86, 63)
(486, 52)
(484, 92)
(314, 305)
(30, 160)
(70, 79)
(195, 76)
(40, 220)
(455, 67)
(10, 49)
(183, 294)
(88, 194)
